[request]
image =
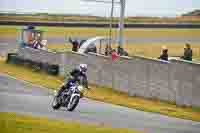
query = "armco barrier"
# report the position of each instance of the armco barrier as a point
(175, 81)
(11, 57)
(53, 69)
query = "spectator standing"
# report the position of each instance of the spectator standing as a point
(120, 50)
(187, 52)
(114, 55)
(108, 50)
(37, 42)
(75, 45)
(164, 54)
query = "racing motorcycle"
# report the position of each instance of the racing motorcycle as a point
(69, 98)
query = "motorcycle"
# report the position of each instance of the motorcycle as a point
(69, 98)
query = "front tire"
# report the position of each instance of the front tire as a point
(72, 105)
(55, 104)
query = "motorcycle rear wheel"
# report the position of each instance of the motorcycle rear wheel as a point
(55, 104)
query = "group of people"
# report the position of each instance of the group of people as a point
(120, 51)
(186, 56)
(33, 38)
(115, 53)
(36, 43)
(92, 48)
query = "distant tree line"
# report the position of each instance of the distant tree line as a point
(191, 17)
(193, 13)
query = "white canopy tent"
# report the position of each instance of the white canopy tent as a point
(91, 42)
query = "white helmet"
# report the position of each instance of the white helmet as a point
(83, 67)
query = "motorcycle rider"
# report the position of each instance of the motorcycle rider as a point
(75, 75)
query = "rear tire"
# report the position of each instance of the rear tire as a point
(55, 104)
(73, 103)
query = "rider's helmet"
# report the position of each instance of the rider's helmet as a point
(83, 68)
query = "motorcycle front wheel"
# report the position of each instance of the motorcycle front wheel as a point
(73, 103)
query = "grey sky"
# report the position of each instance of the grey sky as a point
(133, 7)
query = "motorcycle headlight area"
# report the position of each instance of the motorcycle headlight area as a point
(55, 92)
(80, 88)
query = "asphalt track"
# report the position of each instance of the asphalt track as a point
(24, 98)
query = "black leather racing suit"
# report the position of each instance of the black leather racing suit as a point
(75, 75)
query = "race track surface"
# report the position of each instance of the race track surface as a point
(18, 96)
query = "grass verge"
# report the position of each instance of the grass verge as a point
(77, 32)
(145, 49)
(104, 94)
(15, 123)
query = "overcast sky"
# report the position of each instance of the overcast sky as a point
(133, 7)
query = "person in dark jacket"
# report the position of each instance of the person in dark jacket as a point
(75, 75)
(120, 50)
(108, 50)
(75, 45)
(187, 53)
(164, 54)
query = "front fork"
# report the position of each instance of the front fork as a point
(73, 95)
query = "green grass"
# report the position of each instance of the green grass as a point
(15, 123)
(104, 94)
(59, 47)
(66, 31)
(154, 49)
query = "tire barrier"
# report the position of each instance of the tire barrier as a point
(11, 58)
(37, 66)
(51, 69)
